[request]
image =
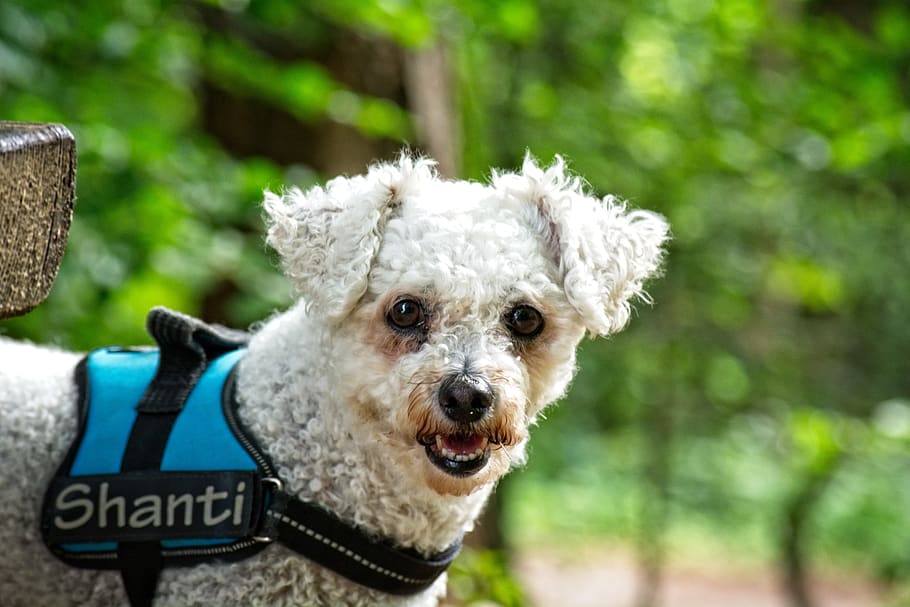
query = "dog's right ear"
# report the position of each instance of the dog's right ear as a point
(328, 237)
(604, 251)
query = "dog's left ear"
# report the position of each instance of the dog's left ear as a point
(328, 237)
(604, 251)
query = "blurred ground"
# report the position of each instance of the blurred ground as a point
(592, 577)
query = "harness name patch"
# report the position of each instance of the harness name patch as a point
(151, 505)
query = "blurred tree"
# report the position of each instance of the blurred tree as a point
(776, 137)
(182, 114)
(765, 396)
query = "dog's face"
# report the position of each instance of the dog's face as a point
(462, 336)
(455, 308)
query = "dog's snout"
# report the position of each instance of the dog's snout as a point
(465, 398)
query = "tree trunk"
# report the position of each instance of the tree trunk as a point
(37, 188)
(657, 444)
(431, 94)
(797, 512)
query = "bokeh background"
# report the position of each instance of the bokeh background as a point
(745, 442)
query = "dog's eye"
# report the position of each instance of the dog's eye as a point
(406, 314)
(524, 322)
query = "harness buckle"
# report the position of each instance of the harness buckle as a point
(277, 487)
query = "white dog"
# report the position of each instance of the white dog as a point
(436, 320)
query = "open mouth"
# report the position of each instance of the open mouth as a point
(458, 454)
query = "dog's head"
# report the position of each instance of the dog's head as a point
(454, 308)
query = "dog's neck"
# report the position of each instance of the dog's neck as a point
(287, 404)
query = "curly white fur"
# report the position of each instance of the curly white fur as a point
(339, 398)
(605, 253)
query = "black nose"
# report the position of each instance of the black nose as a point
(465, 398)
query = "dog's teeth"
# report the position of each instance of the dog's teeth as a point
(439, 447)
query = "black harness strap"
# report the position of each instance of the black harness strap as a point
(140, 566)
(323, 538)
(186, 346)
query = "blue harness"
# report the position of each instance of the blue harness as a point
(162, 473)
(91, 498)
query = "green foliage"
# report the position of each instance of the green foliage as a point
(480, 578)
(774, 136)
(163, 215)
(773, 139)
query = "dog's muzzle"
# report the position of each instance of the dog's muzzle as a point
(466, 400)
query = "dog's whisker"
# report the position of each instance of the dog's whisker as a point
(422, 382)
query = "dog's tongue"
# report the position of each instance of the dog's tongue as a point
(464, 445)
